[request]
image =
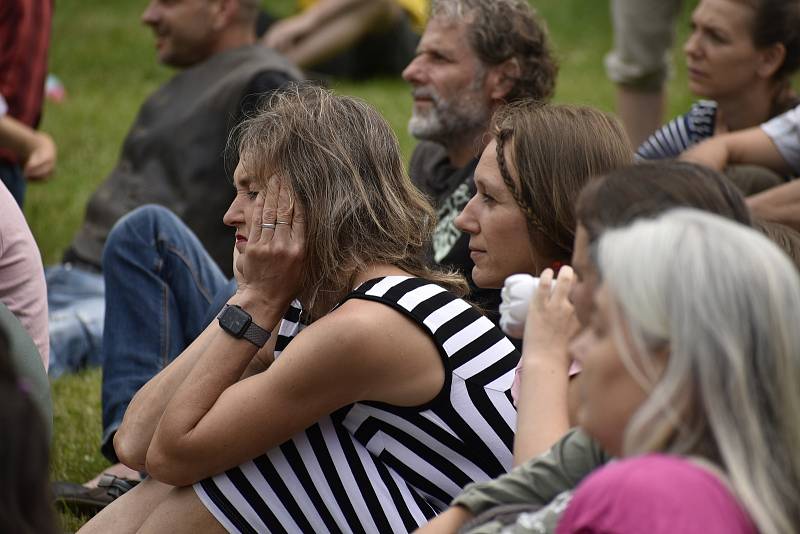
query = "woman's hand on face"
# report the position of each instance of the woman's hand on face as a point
(270, 268)
(551, 321)
(237, 274)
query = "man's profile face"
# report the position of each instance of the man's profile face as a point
(184, 30)
(448, 84)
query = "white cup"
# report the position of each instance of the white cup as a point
(517, 292)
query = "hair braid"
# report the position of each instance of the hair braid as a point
(523, 193)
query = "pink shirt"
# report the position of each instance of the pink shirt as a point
(654, 494)
(22, 285)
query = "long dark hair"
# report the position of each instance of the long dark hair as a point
(555, 150)
(778, 21)
(26, 503)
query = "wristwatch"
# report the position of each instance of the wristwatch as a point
(238, 323)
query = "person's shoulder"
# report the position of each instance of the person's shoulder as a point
(653, 471)
(379, 300)
(269, 80)
(647, 492)
(372, 333)
(652, 477)
(386, 305)
(788, 120)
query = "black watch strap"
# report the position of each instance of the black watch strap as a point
(238, 323)
(256, 335)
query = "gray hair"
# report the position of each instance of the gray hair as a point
(498, 30)
(724, 301)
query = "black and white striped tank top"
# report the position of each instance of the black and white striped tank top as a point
(374, 467)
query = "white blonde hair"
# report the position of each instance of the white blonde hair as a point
(725, 303)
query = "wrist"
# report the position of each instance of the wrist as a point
(264, 313)
(546, 360)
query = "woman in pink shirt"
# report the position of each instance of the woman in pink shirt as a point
(691, 375)
(22, 285)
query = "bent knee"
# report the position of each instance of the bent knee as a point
(140, 227)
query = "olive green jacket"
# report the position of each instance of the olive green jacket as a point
(531, 498)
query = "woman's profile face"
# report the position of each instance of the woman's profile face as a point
(720, 55)
(609, 394)
(240, 212)
(499, 243)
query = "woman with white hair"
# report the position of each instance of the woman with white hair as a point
(691, 374)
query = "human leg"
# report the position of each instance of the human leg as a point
(76, 305)
(155, 507)
(160, 282)
(182, 512)
(640, 111)
(639, 63)
(129, 511)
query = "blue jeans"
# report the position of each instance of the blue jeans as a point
(162, 290)
(76, 304)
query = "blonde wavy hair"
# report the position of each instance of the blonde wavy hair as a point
(343, 162)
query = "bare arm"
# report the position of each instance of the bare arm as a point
(214, 423)
(542, 407)
(751, 146)
(133, 438)
(326, 28)
(36, 149)
(779, 204)
(536, 482)
(361, 351)
(134, 435)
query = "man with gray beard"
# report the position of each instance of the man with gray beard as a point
(474, 56)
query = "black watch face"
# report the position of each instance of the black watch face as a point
(235, 320)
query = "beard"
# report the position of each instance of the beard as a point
(447, 121)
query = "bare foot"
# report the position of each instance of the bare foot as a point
(118, 470)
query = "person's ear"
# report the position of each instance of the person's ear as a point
(501, 78)
(223, 13)
(771, 59)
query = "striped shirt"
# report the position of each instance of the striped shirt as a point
(375, 467)
(680, 133)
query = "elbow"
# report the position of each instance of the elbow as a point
(128, 450)
(173, 467)
(160, 468)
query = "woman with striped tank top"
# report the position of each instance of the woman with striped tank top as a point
(346, 387)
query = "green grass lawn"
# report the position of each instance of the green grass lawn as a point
(106, 60)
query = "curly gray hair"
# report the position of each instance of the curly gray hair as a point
(499, 30)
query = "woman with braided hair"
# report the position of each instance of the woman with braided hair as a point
(522, 220)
